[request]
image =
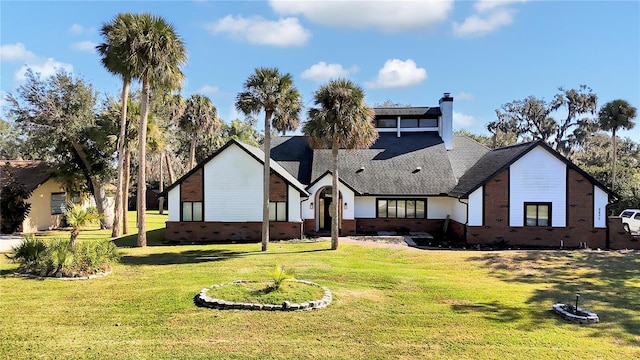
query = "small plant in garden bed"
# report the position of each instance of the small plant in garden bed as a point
(262, 292)
(280, 274)
(55, 258)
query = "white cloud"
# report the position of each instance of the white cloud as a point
(477, 25)
(86, 46)
(484, 5)
(208, 89)
(464, 96)
(322, 72)
(45, 68)
(76, 29)
(385, 15)
(257, 30)
(15, 52)
(462, 121)
(397, 73)
(490, 16)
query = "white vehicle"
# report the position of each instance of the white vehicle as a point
(631, 220)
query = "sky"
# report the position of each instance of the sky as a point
(485, 53)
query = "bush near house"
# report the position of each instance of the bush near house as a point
(56, 258)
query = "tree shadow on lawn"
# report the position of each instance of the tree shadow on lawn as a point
(604, 280)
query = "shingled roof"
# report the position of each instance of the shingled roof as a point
(490, 164)
(30, 173)
(413, 164)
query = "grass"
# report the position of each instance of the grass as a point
(387, 303)
(262, 292)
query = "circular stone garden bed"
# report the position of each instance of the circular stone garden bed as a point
(261, 295)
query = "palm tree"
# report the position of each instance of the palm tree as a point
(614, 115)
(340, 120)
(77, 217)
(119, 37)
(159, 54)
(199, 117)
(269, 91)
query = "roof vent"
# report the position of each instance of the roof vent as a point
(418, 168)
(360, 170)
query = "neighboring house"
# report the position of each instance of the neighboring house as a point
(48, 198)
(417, 177)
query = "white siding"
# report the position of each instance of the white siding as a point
(305, 206)
(365, 207)
(459, 212)
(600, 201)
(233, 187)
(348, 197)
(294, 204)
(174, 204)
(538, 177)
(475, 207)
(439, 207)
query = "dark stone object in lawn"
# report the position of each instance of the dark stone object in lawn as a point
(576, 315)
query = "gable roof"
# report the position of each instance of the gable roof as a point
(500, 159)
(409, 111)
(255, 153)
(30, 173)
(389, 166)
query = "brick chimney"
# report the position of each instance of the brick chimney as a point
(445, 127)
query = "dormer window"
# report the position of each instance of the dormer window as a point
(386, 123)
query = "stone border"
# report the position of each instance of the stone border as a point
(38, 277)
(588, 317)
(205, 301)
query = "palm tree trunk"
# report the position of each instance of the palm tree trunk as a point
(266, 179)
(335, 193)
(142, 164)
(99, 193)
(72, 240)
(117, 215)
(125, 192)
(614, 158)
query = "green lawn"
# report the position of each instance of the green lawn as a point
(387, 303)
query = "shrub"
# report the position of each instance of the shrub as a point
(56, 258)
(13, 207)
(280, 274)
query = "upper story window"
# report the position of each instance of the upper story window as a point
(386, 123)
(428, 123)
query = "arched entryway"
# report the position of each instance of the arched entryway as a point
(324, 211)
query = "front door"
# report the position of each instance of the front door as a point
(325, 201)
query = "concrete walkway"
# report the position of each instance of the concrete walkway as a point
(7, 242)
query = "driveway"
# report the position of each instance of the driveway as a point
(7, 242)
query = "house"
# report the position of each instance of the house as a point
(417, 177)
(48, 196)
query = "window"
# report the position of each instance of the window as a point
(278, 211)
(192, 211)
(537, 214)
(428, 122)
(401, 208)
(409, 123)
(386, 123)
(58, 203)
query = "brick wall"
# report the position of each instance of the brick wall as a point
(579, 218)
(192, 187)
(210, 231)
(366, 226)
(620, 239)
(277, 188)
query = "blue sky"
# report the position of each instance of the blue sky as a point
(485, 53)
